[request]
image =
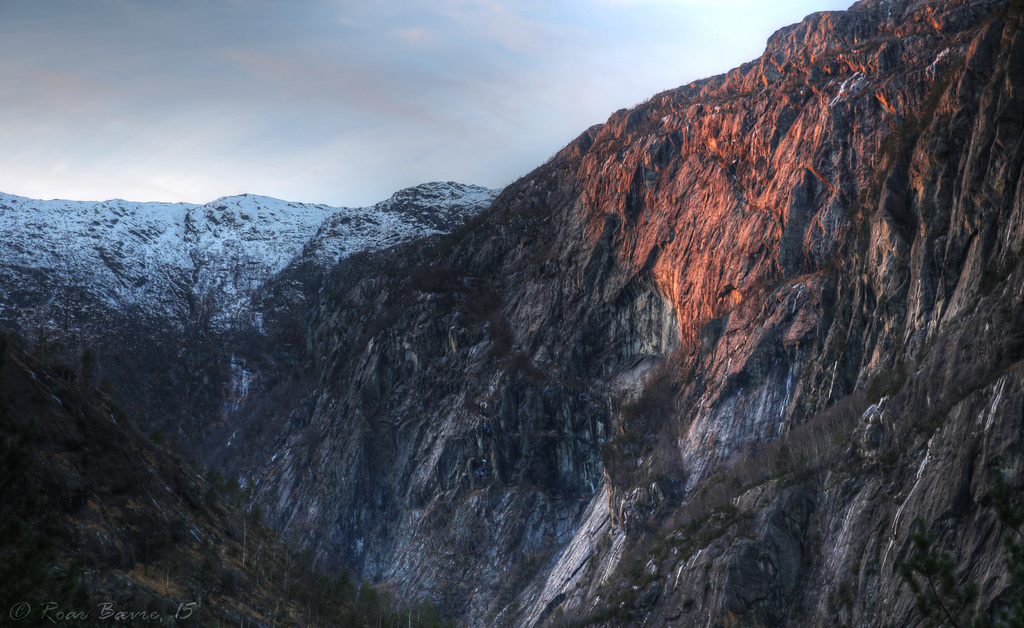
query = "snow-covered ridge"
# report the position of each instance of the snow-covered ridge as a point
(184, 260)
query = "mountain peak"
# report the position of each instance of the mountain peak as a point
(144, 254)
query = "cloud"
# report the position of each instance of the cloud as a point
(417, 35)
(337, 101)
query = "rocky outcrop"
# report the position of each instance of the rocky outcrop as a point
(819, 249)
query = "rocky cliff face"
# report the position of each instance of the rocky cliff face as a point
(710, 363)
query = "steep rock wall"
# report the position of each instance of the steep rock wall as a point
(556, 389)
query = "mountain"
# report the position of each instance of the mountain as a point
(181, 262)
(170, 298)
(712, 364)
(747, 354)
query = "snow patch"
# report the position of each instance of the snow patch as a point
(850, 86)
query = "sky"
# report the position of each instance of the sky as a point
(336, 101)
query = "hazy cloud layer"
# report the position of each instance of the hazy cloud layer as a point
(336, 101)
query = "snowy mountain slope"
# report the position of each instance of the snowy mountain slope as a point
(194, 263)
(125, 252)
(412, 212)
(189, 309)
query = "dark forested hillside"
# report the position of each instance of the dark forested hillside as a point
(102, 527)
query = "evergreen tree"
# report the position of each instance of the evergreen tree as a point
(930, 576)
(88, 366)
(930, 572)
(1011, 514)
